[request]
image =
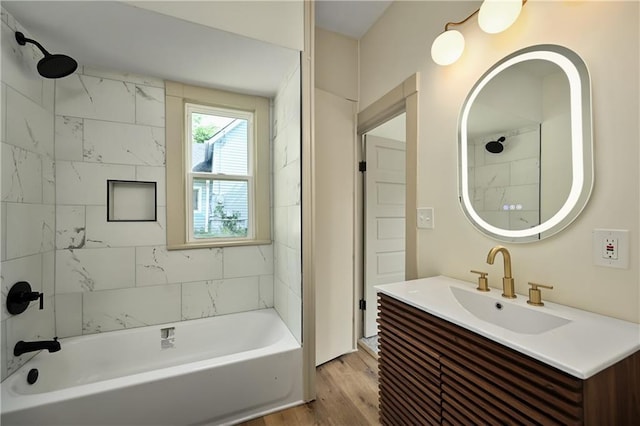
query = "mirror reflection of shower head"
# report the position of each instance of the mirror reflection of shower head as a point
(51, 66)
(495, 147)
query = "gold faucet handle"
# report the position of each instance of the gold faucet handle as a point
(535, 295)
(483, 282)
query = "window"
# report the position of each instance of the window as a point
(218, 174)
(218, 157)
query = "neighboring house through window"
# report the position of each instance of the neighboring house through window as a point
(218, 149)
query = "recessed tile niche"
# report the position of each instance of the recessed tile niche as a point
(131, 201)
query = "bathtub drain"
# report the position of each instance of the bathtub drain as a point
(32, 376)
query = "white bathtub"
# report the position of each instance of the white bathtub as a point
(220, 370)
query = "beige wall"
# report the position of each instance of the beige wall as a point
(605, 35)
(336, 64)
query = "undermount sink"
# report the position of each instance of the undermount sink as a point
(507, 315)
(575, 341)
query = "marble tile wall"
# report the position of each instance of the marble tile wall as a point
(115, 275)
(97, 275)
(27, 194)
(506, 186)
(286, 204)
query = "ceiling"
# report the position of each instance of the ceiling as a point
(352, 18)
(113, 35)
(116, 36)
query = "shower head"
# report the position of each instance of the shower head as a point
(51, 66)
(56, 66)
(495, 147)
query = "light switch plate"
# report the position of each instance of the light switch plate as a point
(611, 248)
(425, 218)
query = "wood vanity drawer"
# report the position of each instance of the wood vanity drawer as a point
(409, 374)
(471, 390)
(413, 351)
(435, 372)
(461, 414)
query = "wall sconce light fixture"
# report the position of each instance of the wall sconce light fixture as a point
(494, 16)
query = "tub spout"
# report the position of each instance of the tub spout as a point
(23, 347)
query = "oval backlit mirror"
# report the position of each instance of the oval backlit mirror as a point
(525, 145)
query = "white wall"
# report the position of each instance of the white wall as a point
(277, 22)
(605, 35)
(28, 193)
(334, 161)
(334, 157)
(287, 229)
(115, 275)
(393, 129)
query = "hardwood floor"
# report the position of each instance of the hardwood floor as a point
(347, 394)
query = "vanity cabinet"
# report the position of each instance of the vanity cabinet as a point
(434, 372)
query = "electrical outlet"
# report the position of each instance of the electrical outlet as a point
(425, 218)
(611, 248)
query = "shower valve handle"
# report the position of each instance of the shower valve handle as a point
(32, 297)
(20, 296)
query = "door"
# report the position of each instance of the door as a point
(334, 206)
(384, 244)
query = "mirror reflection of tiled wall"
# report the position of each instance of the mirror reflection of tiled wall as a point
(506, 186)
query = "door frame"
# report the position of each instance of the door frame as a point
(307, 87)
(402, 98)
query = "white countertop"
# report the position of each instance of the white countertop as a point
(586, 345)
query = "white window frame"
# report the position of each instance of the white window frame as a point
(178, 163)
(191, 108)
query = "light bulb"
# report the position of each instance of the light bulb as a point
(497, 15)
(447, 47)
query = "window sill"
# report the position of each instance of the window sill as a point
(220, 244)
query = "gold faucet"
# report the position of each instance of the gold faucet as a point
(507, 281)
(535, 295)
